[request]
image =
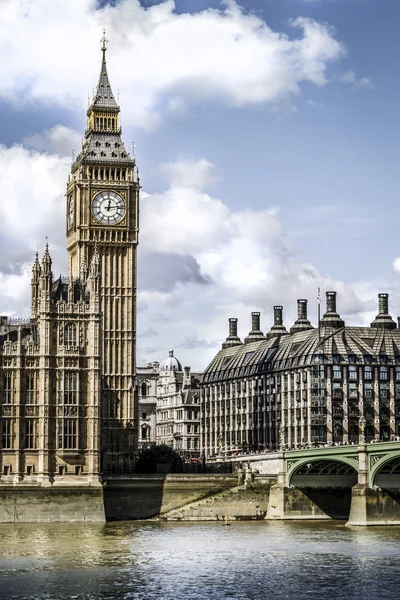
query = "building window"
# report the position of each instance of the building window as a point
(7, 388)
(383, 373)
(30, 389)
(352, 373)
(67, 434)
(70, 395)
(30, 469)
(337, 372)
(144, 415)
(7, 434)
(368, 391)
(144, 433)
(70, 334)
(144, 389)
(30, 434)
(368, 373)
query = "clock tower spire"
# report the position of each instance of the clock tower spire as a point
(102, 222)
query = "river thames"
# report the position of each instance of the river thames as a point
(196, 561)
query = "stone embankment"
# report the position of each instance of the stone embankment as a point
(248, 501)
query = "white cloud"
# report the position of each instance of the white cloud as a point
(219, 262)
(156, 53)
(246, 261)
(32, 207)
(356, 82)
(396, 266)
(59, 140)
(190, 173)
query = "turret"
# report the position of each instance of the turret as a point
(46, 275)
(36, 270)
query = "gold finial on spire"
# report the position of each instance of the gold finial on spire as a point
(104, 44)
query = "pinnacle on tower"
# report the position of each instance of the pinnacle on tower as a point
(95, 263)
(36, 265)
(46, 260)
(83, 270)
(104, 97)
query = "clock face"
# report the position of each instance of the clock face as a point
(71, 208)
(108, 207)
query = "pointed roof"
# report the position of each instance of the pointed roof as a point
(36, 264)
(104, 97)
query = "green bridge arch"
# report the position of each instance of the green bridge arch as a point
(293, 465)
(378, 461)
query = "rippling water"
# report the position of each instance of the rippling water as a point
(196, 561)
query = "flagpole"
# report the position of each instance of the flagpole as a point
(319, 313)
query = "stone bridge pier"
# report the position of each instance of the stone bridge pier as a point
(360, 484)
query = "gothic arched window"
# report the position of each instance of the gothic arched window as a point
(70, 388)
(70, 334)
(30, 388)
(7, 387)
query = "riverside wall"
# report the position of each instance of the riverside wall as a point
(185, 497)
(42, 504)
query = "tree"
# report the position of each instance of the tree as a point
(156, 455)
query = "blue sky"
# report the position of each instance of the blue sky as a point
(266, 133)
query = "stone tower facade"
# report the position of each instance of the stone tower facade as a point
(67, 374)
(103, 213)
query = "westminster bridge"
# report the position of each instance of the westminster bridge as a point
(359, 483)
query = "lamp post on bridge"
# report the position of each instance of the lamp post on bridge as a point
(281, 432)
(362, 423)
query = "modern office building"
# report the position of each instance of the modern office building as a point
(328, 384)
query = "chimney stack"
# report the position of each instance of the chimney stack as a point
(331, 317)
(278, 328)
(232, 339)
(233, 327)
(186, 377)
(302, 323)
(255, 334)
(383, 319)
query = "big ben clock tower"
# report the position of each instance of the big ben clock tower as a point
(102, 219)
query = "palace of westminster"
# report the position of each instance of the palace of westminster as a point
(74, 405)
